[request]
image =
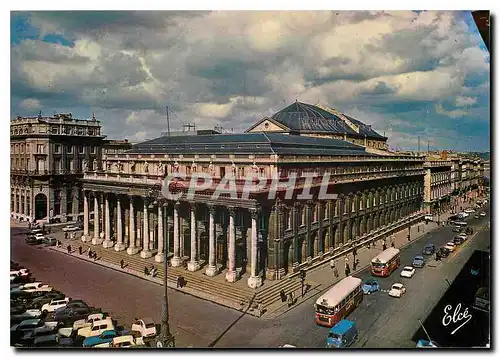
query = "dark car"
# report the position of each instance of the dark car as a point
(23, 330)
(72, 304)
(40, 301)
(418, 261)
(444, 252)
(17, 309)
(31, 240)
(456, 229)
(68, 317)
(429, 249)
(458, 240)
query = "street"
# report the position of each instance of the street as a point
(382, 321)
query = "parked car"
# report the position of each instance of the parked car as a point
(28, 314)
(456, 229)
(47, 341)
(130, 341)
(49, 296)
(450, 246)
(429, 249)
(145, 327)
(444, 251)
(418, 261)
(72, 304)
(36, 287)
(397, 290)
(48, 328)
(69, 315)
(482, 213)
(25, 327)
(97, 328)
(470, 211)
(86, 322)
(55, 304)
(70, 228)
(50, 241)
(31, 240)
(371, 285)
(476, 216)
(458, 240)
(102, 340)
(407, 272)
(17, 309)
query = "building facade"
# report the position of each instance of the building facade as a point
(48, 157)
(253, 235)
(437, 185)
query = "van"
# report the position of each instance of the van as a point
(342, 335)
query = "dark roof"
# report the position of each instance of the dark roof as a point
(305, 117)
(249, 143)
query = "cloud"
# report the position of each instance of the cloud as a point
(465, 101)
(30, 103)
(233, 68)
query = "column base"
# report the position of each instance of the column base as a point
(120, 246)
(193, 266)
(85, 238)
(273, 274)
(231, 276)
(132, 250)
(176, 261)
(97, 241)
(146, 254)
(254, 282)
(107, 244)
(160, 257)
(211, 271)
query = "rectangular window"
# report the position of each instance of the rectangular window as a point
(57, 165)
(222, 172)
(39, 148)
(92, 149)
(188, 170)
(55, 130)
(57, 149)
(81, 149)
(69, 149)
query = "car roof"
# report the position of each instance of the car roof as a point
(148, 320)
(408, 268)
(342, 327)
(418, 257)
(397, 284)
(30, 321)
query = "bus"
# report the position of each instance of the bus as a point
(482, 300)
(338, 301)
(384, 263)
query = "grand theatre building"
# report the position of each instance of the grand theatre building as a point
(263, 233)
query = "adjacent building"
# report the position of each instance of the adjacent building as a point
(48, 157)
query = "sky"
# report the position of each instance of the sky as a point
(409, 74)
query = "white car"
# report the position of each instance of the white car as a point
(429, 217)
(482, 213)
(81, 323)
(408, 271)
(145, 327)
(97, 328)
(126, 341)
(463, 215)
(21, 272)
(55, 304)
(397, 290)
(450, 246)
(36, 287)
(70, 228)
(470, 211)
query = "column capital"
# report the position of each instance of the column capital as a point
(212, 209)
(254, 213)
(231, 210)
(193, 206)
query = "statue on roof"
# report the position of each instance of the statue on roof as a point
(119, 166)
(94, 165)
(84, 164)
(146, 167)
(161, 168)
(176, 167)
(211, 168)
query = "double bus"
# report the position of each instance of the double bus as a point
(384, 263)
(482, 299)
(339, 301)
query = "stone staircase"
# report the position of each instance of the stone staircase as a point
(269, 295)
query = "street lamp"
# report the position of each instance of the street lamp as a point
(165, 339)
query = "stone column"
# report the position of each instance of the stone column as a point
(97, 239)
(145, 253)
(107, 224)
(193, 263)
(25, 211)
(85, 236)
(160, 255)
(120, 245)
(132, 249)
(231, 274)
(212, 265)
(254, 280)
(176, 260)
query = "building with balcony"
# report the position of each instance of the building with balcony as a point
(321, 121)
(253, 235)
(437, 185)
(48, 157)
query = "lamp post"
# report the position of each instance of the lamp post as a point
(165, 339)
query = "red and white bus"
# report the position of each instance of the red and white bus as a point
(387, 261)
(338, 301)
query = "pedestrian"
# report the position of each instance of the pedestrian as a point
(384, 247)
(43, 227)
(354, 251)
(122, 264)
(69, 249)
(290, 299)
(66, 235)
(79, 250)
(283, 295)
(89, 252)
(336, 272)
(260, 307)
(50, 230)
(146, 272)
(332, 264)
(392, 244)
(347, 269)
(178, 281)
(95, 255)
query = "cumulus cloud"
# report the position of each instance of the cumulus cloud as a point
(30, 103)
(233, 68)
(465, 101)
